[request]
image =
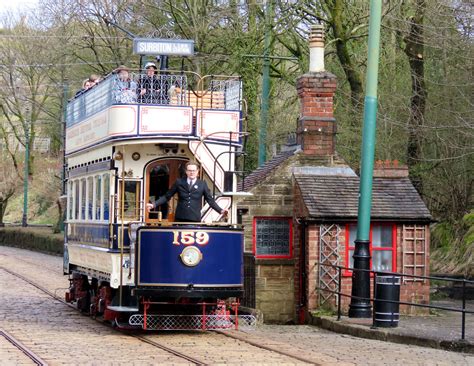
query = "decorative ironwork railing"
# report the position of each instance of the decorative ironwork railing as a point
(211, 92)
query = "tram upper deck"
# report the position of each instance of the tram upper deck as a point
(186, 106)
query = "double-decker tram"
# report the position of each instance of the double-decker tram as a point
(137, 267)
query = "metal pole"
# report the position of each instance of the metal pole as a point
(339, 289)
(63, 135)
(24, 221)
(63, 143)
(262, 153)
(360, 307)
(122, 228)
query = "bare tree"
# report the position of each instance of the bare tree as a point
(8, 184)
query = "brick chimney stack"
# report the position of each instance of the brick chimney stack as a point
(316, 130)
(390, 169)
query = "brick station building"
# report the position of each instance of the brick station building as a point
(303, 211)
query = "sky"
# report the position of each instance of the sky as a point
(15, 4)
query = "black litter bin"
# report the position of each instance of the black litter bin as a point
(386, 314)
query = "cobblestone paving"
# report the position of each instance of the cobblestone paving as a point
(61, 335)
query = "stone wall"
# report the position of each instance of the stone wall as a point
(275, 290)
(274, 285)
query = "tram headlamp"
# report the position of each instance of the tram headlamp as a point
(191, 256)
(118, 155)
(136, 156)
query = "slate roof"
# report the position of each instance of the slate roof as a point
(259, 174)
(336, 197)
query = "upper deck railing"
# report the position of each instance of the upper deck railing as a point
(177, 89)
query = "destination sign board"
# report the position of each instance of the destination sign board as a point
(156, 46)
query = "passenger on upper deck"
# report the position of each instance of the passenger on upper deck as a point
(125, 87)
(153, 88)
(86, 85)
(94, 79)
(148, 85)
(190, 191)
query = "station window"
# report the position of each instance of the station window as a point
(273, 237)
(131, 202)
(382, 246)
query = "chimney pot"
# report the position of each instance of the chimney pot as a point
(316, 48)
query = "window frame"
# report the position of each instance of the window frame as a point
(138, 192)
(289, 219)
(393, 248)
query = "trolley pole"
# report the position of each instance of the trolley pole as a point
(262, 149)
(24, 220)
(360, 305)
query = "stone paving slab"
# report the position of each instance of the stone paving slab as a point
(442, 330)
(347, 349)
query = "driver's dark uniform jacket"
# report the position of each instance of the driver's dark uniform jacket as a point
(189, 199)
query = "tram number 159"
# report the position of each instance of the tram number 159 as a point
(190, 237)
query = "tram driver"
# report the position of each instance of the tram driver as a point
(190, 191)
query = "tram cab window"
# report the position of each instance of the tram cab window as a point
(90, 198)
(132, 200)
(83, 199)
(106, 206)
(161, 175)
(70, 197)
(76, 200)
(98, 197)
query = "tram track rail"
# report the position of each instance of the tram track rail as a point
(26, 351)
(267, 348)
(146, 339)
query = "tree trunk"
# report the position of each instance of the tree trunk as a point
(354, 77)
(414, 49)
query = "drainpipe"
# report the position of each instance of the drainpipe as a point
(302, 306)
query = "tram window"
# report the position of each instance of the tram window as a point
(132, 201)
(159, 185)
(83, 193)
(89, 200)
(76, 200)
(69, 200)
(106, 178)
(98, 196)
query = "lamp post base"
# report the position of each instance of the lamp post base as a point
(360, 310)
(360, 306)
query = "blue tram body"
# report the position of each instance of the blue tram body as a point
(160, 263)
